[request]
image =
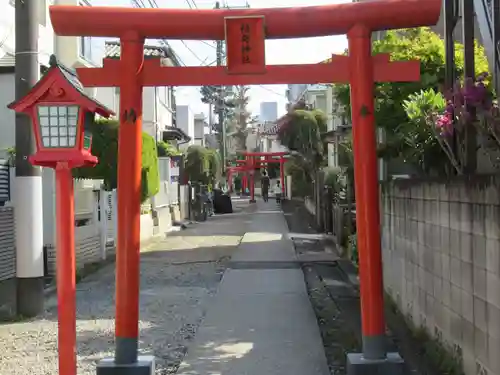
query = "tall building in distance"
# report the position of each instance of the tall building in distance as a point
(268, 112)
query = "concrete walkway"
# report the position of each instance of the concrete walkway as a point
(261, 320)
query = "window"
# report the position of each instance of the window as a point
(58, 125)
(86, 48)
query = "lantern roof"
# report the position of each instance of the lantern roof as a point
(60, 84)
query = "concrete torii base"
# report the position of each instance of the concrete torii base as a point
(145, 365)
(393, 364)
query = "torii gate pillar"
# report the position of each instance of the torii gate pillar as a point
(245, 31)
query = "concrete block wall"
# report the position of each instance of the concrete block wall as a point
(87, 248)
(441, 253)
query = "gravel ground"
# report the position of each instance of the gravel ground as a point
(179, 276)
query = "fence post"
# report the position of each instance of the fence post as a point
(103, 218)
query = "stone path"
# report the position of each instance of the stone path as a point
(261, 321)
(179, 277)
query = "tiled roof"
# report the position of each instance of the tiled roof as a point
(112, 50)
(72, 78)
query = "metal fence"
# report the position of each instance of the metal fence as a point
(7, 244)
(4, 182)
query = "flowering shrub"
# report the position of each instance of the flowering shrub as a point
(447, 116)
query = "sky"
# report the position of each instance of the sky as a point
(288, 51)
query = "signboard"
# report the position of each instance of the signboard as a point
(245, 45)
(175, 164)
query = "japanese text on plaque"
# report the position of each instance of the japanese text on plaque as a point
(245, 43)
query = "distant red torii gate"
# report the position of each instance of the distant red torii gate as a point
(250, 164)
(245, 31)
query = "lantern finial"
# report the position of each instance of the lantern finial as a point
(53, 61)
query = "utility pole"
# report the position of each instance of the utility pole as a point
(210, 119)
(28, 183)
(220, 100)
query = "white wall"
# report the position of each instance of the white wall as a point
(7, 35)
(199, 128)
(268, 111)
(8, 116)
(156, 115)
(78, 51)
(185, 122)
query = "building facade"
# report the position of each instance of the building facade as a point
(268, 112)
(200, 123)
(7, 63)
(185, 122)
(158, 108)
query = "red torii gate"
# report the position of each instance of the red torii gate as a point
(245, 31)
(250, 164)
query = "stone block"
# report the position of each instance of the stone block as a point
(145, 365)
(466, 276)
(456, 299)
(445, 263)
(492, 222)
(493, 255)
(438, 288)
(444, 213)
(358, 365)
(467, 342)
(446, 296)
(445, 239)
(455, 327)
(493, 289)
(455, 269)
(455, 215)
(480, 311)
(466, 247)
(480, 344)
(493, 354)
(479, 250)
(437, 266)
(480, 283)
(492, 320)
(455, 243)
(465, 217)
(467, 302)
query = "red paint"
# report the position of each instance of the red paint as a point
(54, 89)
(66, 269)
(337, 71)
(360, 69)
(282, 175)
(245, 39)
(366, 183)
(129, 189)
(208, 24)
(51, 90)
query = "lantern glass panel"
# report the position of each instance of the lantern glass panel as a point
(58, 125)
(89, 121)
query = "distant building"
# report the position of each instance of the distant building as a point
(185, 122)
(199, 129)
(268, 112)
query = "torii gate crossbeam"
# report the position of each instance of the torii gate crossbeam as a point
(245, 31)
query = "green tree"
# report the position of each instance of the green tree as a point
(105, 147)
(301, 133)
(167, 149)
(202, 165)
(411, 44)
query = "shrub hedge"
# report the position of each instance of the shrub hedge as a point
(105, 147)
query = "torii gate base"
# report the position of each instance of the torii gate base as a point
(245, 31)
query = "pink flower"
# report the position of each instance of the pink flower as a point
(444, 124)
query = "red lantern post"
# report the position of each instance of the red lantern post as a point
(62, 114)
